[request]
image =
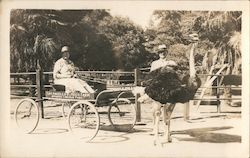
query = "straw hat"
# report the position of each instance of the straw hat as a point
(65, 49)
(162, 48)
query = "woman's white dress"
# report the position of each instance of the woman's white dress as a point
(64, 71)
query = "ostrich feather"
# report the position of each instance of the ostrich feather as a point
(165, 85)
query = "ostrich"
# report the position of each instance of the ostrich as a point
(166, 87)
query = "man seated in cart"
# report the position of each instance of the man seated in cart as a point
(64, 74)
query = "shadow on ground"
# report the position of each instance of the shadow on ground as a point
(50, 131)
(121, 128)
(207, 135)
(120, 134)
(110, 138)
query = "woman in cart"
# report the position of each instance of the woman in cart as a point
(64, 74)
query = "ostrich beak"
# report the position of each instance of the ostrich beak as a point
(138, 90)
(143, 98)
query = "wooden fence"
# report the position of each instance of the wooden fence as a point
(38, 85)
(19, 80)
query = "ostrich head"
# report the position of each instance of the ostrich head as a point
(141, 91)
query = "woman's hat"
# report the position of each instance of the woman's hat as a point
(65, 49)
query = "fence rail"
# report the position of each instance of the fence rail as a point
(39, 85)
(107, 72)
(22, 73)
(13, 85)
(207, 99)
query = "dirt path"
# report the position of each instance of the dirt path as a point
(207, 134)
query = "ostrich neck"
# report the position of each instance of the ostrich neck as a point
(191, 61)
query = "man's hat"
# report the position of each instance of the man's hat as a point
(65, 49)
(194, 37)
(162, 48)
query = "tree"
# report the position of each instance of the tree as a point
(34, 36)
(127, 41)
(223, 29)
(93, 49)
(167, 27)
(217, 30)
(170, 28)
(37, 36)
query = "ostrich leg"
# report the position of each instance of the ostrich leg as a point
(156, 121)
(167, 111)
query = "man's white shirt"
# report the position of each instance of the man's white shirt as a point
(161, 63)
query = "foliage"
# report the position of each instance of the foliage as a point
(127, 41)
(100, 41)
(224, 30)
(31, 39)
(170, 28)
(37, 36)
(167, 29)
(217, 30)
(92, 49)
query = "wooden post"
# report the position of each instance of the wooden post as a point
(138, 105)
(218, 95)
(136, 73)
(138, 108)
(39, 85)
(187, 109)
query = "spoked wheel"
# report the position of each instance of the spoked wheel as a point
(65, 108)
(122, 114)
(84, 120)
(27, 115)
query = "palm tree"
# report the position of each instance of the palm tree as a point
(34, 40)
(32, 37)
(224, 30)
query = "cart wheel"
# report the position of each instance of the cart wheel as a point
(27, 115)
(84, 120)
(122, 115)
(65, 109)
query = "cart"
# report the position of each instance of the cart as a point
(82, 117)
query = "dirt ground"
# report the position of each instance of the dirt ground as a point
(206, 134)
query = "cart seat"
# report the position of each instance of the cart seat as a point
(58, 87)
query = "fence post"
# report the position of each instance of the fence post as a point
(138, 105)
(138, 108)
(136, 72)
(39, 85)
(218, 95)
(187, 109)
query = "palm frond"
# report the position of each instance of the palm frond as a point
(235, 41)
(45, 45)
